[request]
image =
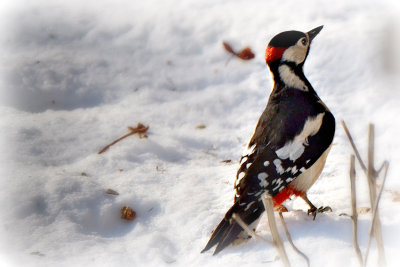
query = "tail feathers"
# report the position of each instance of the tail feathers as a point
(217, 234)
(230, 235)
(223, 235)
(228, 230)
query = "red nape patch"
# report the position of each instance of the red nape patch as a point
(285, 194)
(273, 53)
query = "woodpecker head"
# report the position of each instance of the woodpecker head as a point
(290, 46)
(285, 56)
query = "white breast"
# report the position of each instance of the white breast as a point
(310, 175)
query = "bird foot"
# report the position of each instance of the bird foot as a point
(313, 211)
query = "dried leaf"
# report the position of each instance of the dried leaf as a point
(112, 192)
(127, 213)
(201, 126)
(160, 169)
(37, 253)
(395, 195)
(245, 54)
(363, 210)
(227, 161)
(228, 47)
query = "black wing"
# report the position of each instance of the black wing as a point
(279, 152)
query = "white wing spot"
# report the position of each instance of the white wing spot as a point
(243, 160)
(241, 175)
(288, 180)
(294, 169)
(294, 149)
(266, 163)
(278, 166)
(258, 193)
(307, 161)
(248, 165)
(262, 177)
(279, 183)
(248, 205)
(249, 150)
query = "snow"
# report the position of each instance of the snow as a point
(75, 74)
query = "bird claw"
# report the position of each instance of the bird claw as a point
(313, 211)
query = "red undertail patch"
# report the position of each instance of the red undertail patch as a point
(285, 194)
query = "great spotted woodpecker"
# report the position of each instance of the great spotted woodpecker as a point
(288, 149)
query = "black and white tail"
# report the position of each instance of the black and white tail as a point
(228, 229)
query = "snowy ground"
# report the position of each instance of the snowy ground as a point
(75, 74)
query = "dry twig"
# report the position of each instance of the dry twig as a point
(140, 130)
(248, 230)
(372, 175)
(291, 241)
(382, 261)
(354, 209)
(269, 208)
(353, 146)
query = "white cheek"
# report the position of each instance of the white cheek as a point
(290, 78)
(296, 54)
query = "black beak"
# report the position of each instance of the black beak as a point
(314, 32)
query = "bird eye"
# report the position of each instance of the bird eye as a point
(304, 41)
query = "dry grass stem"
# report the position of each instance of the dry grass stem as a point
(372, 175)
(269, 208)
(382, 260)
(248, 230)
(353, 146)
(291, 241)
(354, 216)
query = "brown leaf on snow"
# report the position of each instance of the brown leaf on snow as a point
(245, 54)
(127, 213)
(363, 210)
(112, 192)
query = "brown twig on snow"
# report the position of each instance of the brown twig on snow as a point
(140, 130)
(269, 208)
(291, 241)
(353, 146)
(372, 175)
(374, 218)
(354, 208)
(248, 230)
